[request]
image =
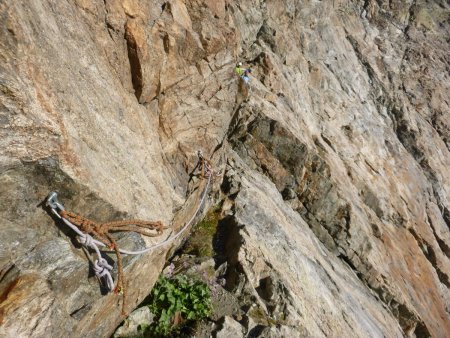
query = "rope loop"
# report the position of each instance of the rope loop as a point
(86, 240)
(206, 166)
(102, 269)
(94, 235)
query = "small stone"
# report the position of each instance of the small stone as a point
(230, 328)
(139, 318)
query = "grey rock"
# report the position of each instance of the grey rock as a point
(290, 275)
(229, 328)
(137, 320)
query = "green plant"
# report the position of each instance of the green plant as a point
(177, 302)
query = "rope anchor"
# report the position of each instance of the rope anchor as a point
(93, 235)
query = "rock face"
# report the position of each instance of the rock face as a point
(336, 181)
(297, 283)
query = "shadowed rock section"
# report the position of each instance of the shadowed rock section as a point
(135, 64)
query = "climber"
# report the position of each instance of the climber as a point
(244, 87)
(239, 70)
(243, 73)
(245, 76)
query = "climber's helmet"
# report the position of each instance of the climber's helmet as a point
(239, 64)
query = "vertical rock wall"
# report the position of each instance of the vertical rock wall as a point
(340, 156)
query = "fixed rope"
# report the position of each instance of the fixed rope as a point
(95, 235)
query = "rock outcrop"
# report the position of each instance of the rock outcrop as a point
(335, 171)
(275, 259)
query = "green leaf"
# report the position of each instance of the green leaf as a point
(179, 294)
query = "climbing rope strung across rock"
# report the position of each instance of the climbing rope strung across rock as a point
(94, 235)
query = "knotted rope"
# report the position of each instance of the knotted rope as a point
(94, 235)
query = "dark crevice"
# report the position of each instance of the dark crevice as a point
(226, 243)
(443, 278)
(446, 216)
(166, 43)
(135, 64)
(267, 34)
(265, 288)
(80, 312)
(256, 331)
(421, 331)
(4, 272)
(408, 319)
(425, 247)
(351, 265)
(442, 245)
(430, 254)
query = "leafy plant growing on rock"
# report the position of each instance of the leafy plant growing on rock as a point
(177, 302)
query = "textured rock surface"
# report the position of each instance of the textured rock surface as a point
(276, 259)
(133, 324)
(229, 328)
(71, 122)
(337, 183)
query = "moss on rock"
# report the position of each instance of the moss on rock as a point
(200, 243)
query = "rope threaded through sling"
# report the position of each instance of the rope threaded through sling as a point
(94, 235)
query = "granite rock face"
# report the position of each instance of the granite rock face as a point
(298, 284)
(335, 185)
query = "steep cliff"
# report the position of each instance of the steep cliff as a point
(335, 179)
